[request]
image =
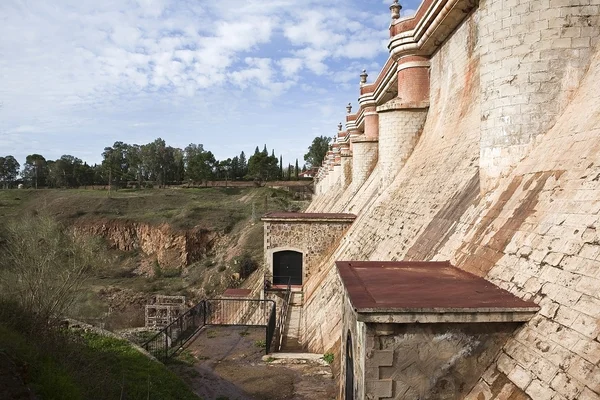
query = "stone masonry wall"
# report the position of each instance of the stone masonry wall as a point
(536, 233)
(442, 166)
(533, 56)
(430, 361)
(399, 131)
(542, 243)
(364, 159)
(314, 239)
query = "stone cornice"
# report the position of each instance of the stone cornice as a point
(429, 28)
(398, 104)
(419, 35)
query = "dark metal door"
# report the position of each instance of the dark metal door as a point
(287, 264)
(349, 370)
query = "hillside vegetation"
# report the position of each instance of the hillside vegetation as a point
(115, 294)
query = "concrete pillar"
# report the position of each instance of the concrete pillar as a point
(531, 64)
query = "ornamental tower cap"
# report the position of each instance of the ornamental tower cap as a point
(363, 77)
(395, 9)
(349, 108)
(340, 126)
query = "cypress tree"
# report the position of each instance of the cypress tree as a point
(280, 167)
(296, 170)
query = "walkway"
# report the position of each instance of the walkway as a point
(227, 363)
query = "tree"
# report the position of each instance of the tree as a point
(317, 151)
(157, 161)
(199, 163)
(35, 170)
(262, 167)
(62, 172)
(115, 162)
(9, 170)
(280, 167)
(243, 165)
(296, 170)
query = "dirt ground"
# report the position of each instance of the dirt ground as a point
(226, 363)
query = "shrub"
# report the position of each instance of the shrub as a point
(43, 266)
(328, 357)
(247, 266)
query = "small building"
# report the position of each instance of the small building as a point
(295, 243)
(421, 330)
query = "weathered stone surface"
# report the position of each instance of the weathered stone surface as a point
(504, 182)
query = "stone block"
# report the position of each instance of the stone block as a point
(589, 286)
(540, 391)
(382, 358)
(566, 386)
(587, 394)
(379, 389)
(544, 370)
(520, 377)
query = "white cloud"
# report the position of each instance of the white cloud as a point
(290, 66)
(90, 66)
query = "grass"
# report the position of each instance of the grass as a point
(216, 208)
(328, 357)
(78, 365)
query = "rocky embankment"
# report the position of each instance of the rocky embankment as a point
(171, 248)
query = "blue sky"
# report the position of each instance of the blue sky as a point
(78, 75)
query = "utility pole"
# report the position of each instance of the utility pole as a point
(36, 175)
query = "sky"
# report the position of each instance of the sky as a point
(78, 75)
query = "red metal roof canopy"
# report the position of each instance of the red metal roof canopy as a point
(237, 292)
(412, 286)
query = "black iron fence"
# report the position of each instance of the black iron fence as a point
(227, 312)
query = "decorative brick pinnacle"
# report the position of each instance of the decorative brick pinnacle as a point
(363, 77)
(395, 9)
(340, 126)
(349, 108)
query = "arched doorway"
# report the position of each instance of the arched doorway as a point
(349, 369)
(286, 264)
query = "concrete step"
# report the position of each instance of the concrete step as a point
(296, 358)
(292, 341)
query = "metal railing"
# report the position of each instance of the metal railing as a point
(226, 312)
(284, 311)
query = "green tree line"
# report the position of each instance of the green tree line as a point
(154, 163)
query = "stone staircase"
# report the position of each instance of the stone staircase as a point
(292, 340)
